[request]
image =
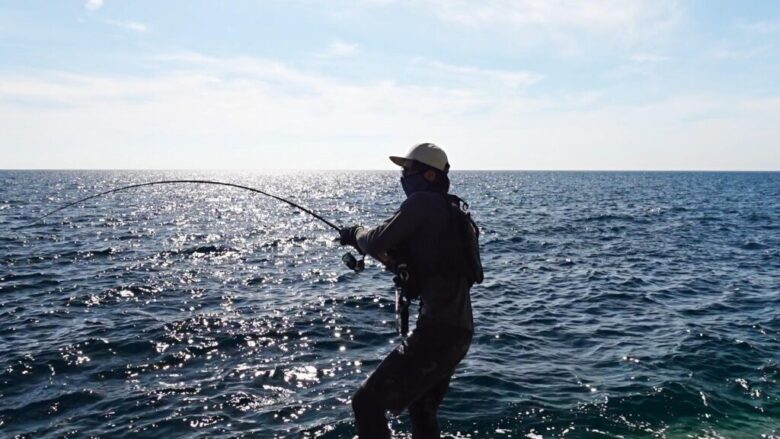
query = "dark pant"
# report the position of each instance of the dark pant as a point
(415, 375)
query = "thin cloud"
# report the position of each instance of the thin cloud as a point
(572, 26)
(93, 5)
(638, 65)
(642, 58)
(609, 14)
(480, 76)
(133, 26)
(246, 68)
(339, 48)
(727, 53)
(760, 27)
(255, 113)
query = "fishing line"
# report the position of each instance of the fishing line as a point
(349, 260)
(218, 183)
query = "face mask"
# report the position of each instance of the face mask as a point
(414, 183)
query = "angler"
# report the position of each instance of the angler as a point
(431, 244)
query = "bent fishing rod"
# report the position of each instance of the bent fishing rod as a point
(351, 262)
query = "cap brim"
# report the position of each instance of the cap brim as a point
(400, 161)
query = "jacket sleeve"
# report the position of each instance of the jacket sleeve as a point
(399, 227)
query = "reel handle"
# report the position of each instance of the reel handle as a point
(353, 263)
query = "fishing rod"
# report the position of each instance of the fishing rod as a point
(219, 183)
(351, 262)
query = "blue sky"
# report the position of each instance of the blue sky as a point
(525, 84)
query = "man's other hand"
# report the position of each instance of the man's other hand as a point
(348, 236)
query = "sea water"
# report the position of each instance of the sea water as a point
(615, 304)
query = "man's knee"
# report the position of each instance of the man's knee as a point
(425, 407)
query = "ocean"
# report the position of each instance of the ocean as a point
(615, 305)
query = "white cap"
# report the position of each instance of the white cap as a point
(426, 153)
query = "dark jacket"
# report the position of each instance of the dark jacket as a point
(414, 235)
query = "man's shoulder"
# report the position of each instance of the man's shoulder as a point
(424, 201)
(431, 207)
(423, 197)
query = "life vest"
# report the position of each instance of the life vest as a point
(462, 241)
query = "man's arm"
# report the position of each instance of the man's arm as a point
(404, 222)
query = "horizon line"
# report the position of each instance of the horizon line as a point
(276, 170)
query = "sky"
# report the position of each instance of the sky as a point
(498, 84)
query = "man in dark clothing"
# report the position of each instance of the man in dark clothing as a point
(416, 374)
